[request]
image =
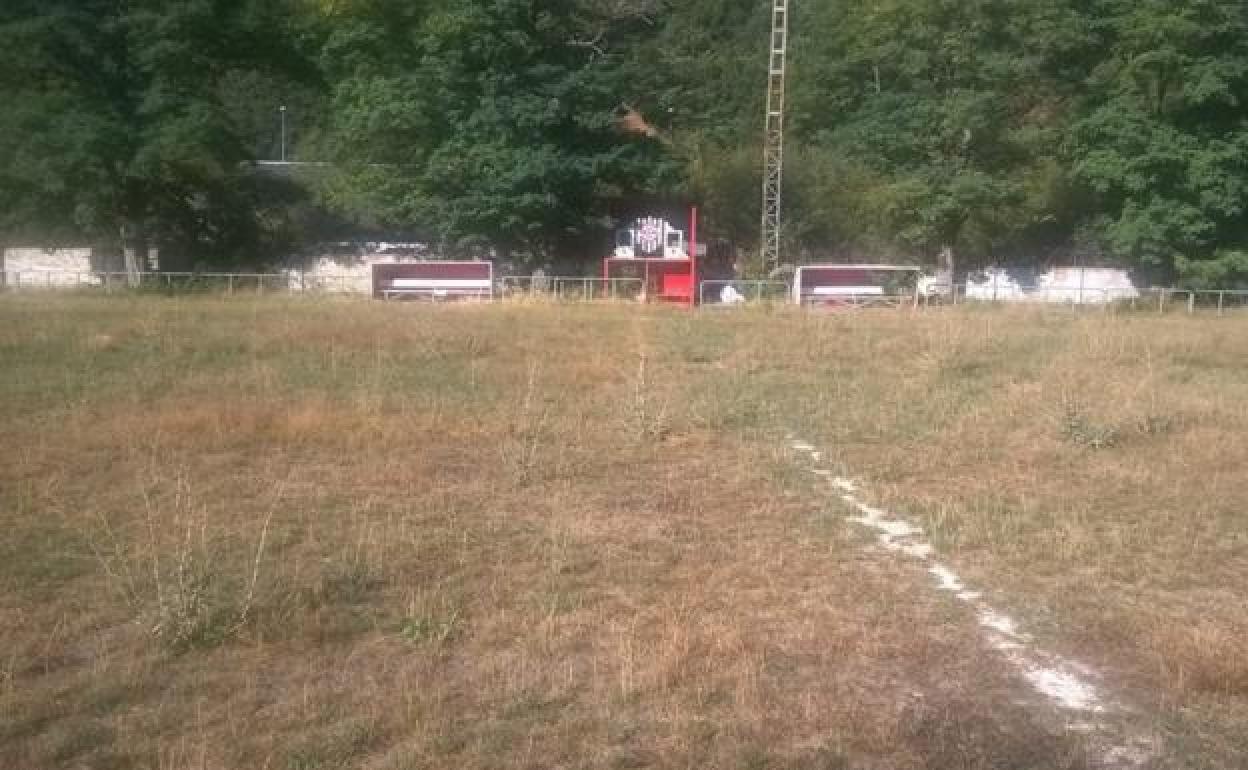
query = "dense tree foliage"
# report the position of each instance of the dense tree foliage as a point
(1163, 138)
(493, 121)
(930, 130)
(117, 121)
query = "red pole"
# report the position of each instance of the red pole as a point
(694, 287)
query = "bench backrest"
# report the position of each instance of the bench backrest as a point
(830, 283)
(434, 279)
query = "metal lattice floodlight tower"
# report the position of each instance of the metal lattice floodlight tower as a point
(773, 141)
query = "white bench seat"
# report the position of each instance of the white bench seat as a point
(433, 280)
(847, 291)
(438, 287)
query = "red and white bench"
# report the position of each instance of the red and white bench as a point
(434, 280)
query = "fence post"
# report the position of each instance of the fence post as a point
(1161, 301)
(1191, 303)
(1221, 301)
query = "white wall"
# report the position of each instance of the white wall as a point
(1080, 285)
(341, 275)
(48, 267)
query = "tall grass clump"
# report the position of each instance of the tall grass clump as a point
(179, 575)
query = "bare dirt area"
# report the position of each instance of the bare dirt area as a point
(287, 534)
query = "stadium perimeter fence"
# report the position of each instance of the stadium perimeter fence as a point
(711, 293)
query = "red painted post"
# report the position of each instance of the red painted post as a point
(694, 284)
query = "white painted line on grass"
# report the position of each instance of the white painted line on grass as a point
(1067, 685)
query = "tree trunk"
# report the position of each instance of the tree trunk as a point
(134, 252)
(948, 268)
(127, 257)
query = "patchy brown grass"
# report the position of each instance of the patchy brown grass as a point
(270, 533)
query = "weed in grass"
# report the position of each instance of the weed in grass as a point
(71, 740)
(646, 414)
(1157, 424)
(175, 580)
(349, 582)
(39, 557)
(430, 629)
(342, 747)
(1079, 429)
(1204, 657)
(521, 451)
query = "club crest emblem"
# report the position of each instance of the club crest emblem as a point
(649, 235)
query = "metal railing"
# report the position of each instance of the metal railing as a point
(50, 279)
(1161, 300)
(568, 288)
(1051, 295)
(1192, 301)
(228, 283)
(585, 289)
(590, 289)
(728, 293)
(319, 283)
(564, 288)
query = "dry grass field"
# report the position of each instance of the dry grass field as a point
(297, 534)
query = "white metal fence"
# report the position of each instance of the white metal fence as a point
(583, 289)
(229, 283)
(742, 292)
(566, 288)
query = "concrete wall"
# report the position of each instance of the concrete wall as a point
(1083, 285)
(347, 273)
(57, 268)
(350, 273)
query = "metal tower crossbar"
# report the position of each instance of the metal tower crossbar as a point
(773, 140)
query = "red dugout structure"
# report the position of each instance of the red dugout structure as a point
(657, 254)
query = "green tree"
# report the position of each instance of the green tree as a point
(489, 122)
(1163, 138)
(117, 120)
(946, 114)
(701, 72)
